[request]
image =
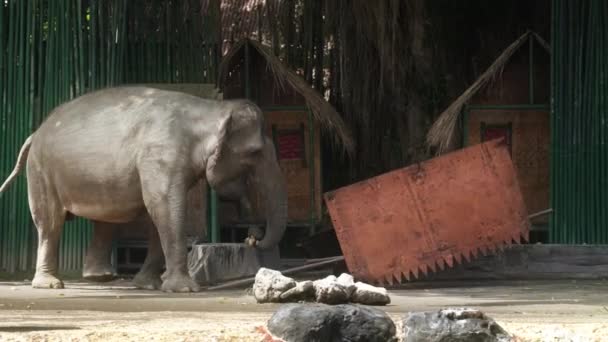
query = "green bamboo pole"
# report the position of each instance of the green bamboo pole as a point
(5, 129)
(602, 109)
(16, 123)
(40, 58)
(66, 38)
(123, 41)
(167, 40)
(29, 114)
(589, 105)
(110, 56)
(19, 111)
(81, 52)
(93, 45)
(17, 114)
(102, 46)
(73, 34)
(3, 139)
(24, 59)
(11, 113)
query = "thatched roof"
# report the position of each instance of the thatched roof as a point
(442, 131)
(323, 112)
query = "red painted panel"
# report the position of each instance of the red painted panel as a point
(424, 217)
(290, 146)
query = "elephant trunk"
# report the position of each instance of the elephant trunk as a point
(273, 189)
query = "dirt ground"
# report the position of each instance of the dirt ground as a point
(534, 311)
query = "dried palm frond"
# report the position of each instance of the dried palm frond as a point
(442, 131)
(322, 111)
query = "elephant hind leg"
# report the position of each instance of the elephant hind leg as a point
(48, 216)
(98, 262)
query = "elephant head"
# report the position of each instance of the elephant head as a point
(247, 158)
(237, 144)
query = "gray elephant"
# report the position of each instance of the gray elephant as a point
(119, 154)
(265, 178)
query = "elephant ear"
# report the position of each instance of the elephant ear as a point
(219, 144)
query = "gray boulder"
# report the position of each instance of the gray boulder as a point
(454, 325)
(270, 284)
(329, 291)
(321, 323)
(370, 295)
(348, 282)
(303, 291)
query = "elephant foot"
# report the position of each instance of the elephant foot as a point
(179, 283)
(147, 280)
(46, 281)
(101, 273)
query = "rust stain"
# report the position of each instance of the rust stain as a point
(429, 216)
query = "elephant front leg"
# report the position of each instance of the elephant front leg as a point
(149, 276)
(98, 262)
(166, 207)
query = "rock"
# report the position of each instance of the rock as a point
(211, 263)
(457, 325)
(270, 284)
(304, 291)
(370, 295)
(329, 291)
(348, 282)
(320, 322)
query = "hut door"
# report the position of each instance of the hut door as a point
(490, 132)
(298, 152)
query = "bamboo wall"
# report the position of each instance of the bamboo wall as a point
(54, 50)
(579, 150)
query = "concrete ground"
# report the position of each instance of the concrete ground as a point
(533, 310)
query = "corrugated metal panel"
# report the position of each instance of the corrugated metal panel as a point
(579, 181)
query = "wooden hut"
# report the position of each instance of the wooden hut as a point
(510, 100)
(295, 117)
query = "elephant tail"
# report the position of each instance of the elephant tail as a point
(25, 149)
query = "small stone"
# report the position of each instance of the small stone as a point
(270, 284)
(320, 322)
(457, 325)
(348, 282)
(304, 291)
(329, 291)
(370, 295)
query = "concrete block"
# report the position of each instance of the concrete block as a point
(211, 263)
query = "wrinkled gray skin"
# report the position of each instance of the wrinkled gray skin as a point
(264, 178)
(119, 154)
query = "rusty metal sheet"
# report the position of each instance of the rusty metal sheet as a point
(423, 218)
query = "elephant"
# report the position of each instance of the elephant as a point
(118, 154)
(98, 259)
